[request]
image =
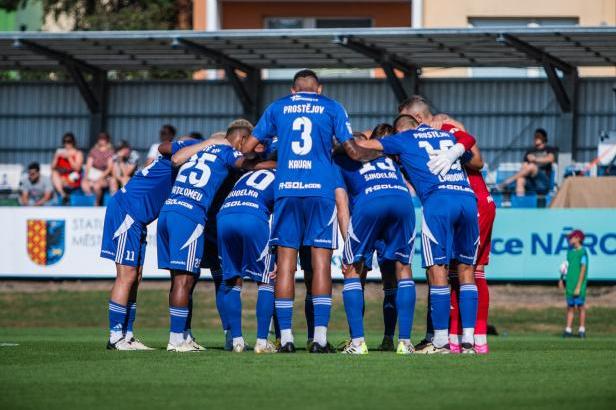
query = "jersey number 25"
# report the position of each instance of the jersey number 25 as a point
(197, 179)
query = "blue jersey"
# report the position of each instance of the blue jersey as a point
(198, 180)
(378, 177)
(305, 124)
(416, 147)
(253, 193)
(146, 192)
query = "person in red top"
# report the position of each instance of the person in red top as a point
(418, 107)
(66, 167)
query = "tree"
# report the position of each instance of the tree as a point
(116, 14)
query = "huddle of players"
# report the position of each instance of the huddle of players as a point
(301, 192)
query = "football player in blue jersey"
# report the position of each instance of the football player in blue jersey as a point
(305, 123)
(211, 258)
(182, 219)
(382, 210)
(305, 256)
(450, 228)
(128, 214)
(243, 243)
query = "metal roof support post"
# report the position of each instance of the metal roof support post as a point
(394, 82)
(566, 137)
(98, 119)
(388, 62)
(94, 93)
(247, 90)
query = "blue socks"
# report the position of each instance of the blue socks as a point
(265, 309)
(405, 303)
(117, 318)
(309, 312)
(177, 323)
(233, 309)
(284, 312)
(322, 310)
(468, 308)
(353, 297)
(440, 303)
(130, 319)
(390, 314)
(219, 285)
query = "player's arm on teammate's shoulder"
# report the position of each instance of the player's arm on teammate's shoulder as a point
(184, 154)
(249, 163)
(363, 151)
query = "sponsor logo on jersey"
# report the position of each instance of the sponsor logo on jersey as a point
(45, 241)
(299, 97)
(298, 185)
(380, 187)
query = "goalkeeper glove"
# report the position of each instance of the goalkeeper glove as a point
(441, 164)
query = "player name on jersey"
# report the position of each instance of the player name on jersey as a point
(303, 109)
(300, 164)
(187, 192)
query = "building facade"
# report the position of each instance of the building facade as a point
(278, 14)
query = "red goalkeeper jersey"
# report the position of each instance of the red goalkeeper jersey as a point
(475, 178)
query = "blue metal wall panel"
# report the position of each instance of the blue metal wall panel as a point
(502, 113)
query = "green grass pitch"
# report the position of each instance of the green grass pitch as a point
(60, 362)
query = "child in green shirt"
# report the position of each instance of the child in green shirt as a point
(574, 275)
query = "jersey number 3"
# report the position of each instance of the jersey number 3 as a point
(304, 125)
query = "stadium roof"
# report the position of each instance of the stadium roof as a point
(402, 48)
(408, 50)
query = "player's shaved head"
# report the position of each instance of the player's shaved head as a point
(417, 106)
(306, 80)
(405, 122)
(360, 136)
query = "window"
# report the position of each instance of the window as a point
(317, 22)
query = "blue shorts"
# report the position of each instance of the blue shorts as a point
(386, 221)
(450, 229)
(179, 242)
(378, 249)
(243, 245)
(309, 221)
(576, 301)
(124, 239)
